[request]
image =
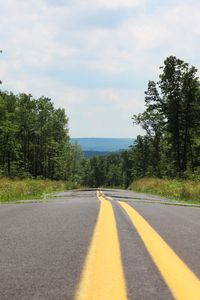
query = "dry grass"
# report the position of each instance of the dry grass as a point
(15, 189)
(183, 190)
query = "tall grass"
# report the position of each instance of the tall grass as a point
(182, 190)
(15, 189)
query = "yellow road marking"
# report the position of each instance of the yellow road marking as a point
(103, 277)
(182, 282)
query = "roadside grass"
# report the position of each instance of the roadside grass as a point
(26, 189)
(181, 190)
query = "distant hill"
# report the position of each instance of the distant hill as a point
(102, 146)
(89, 154)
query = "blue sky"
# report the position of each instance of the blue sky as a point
(94, 57)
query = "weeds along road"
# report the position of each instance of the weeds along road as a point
(104, 245)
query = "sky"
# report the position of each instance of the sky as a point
(94, 57)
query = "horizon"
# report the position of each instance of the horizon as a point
(103, 144)
(94, 137)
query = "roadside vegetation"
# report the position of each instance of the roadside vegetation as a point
(181, 190)
(15, 189)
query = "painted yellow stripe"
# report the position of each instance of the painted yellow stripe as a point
(182, 282)
(102, 277)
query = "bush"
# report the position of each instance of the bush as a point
(14, 189)
(183, 190)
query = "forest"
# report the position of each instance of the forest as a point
(35, 141)
(170, 147)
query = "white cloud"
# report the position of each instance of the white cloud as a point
(43, 43)
(142, 43)
(114, 3)
(92, 112)
(41, 36)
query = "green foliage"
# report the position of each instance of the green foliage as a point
(111, 171)
(34, 139)
(14, 189)
(35, 143)
(171, 120)
(170, 147)
(182, 190)
(180, 108)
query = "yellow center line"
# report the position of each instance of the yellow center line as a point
(103, 277)
(182, 282)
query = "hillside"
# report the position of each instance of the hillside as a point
(102, 146)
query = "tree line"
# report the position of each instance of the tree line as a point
(35, 142)
(34, 138)
(170, 146)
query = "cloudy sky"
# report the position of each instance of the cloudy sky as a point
(94, 57)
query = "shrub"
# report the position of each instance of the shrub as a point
(13, 189)
(186, 190)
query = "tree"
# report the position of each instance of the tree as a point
(34, 138)
(76, 162)
(152, 122)
(9, 145)
(179, 86)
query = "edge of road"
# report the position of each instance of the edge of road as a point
(171, 202)
(48, 198)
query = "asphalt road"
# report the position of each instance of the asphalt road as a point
(43, 246)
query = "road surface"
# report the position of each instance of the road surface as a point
(107, 245)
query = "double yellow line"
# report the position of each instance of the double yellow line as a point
(103, 276)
